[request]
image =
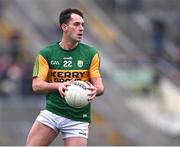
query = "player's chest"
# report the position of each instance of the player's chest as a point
(70, 62)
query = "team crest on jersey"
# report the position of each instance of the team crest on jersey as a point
(80, 63)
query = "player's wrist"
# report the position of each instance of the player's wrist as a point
(57, 86)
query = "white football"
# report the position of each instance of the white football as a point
(76, 94)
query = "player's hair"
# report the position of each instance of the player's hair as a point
(65, 15)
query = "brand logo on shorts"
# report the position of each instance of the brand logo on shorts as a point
(83, 133)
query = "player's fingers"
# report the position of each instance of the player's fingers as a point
(92, 97)
(61, 89)
(92, 93)
(90, 85)
(91, 88)
(61, 93)
(70, 82)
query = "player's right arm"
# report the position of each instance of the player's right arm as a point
(39, 83)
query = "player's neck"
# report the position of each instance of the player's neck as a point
(68, 45)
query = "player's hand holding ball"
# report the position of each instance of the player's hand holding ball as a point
(62, 87)
(78, 94)
(92, 91)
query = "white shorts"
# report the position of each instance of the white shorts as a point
(67, 127)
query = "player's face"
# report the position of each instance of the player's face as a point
(75, 28)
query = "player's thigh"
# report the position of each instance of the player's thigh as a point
(75, 141)
(40, 135)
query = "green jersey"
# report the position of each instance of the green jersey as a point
(54, 64)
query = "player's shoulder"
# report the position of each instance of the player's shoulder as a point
(49, 49)
(88, 48)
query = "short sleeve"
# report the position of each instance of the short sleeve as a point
(41, 67)
(95, 67)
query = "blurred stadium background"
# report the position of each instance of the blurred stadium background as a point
(139, 42)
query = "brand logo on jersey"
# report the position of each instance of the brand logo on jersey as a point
(68, 58)
(54, 62)
(80, 63)
(64, 75)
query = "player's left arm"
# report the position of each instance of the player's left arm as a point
(96, 84)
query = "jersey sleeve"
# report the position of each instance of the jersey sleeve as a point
(95, 67)
(41, 67)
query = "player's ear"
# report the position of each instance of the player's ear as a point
(64, 27)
